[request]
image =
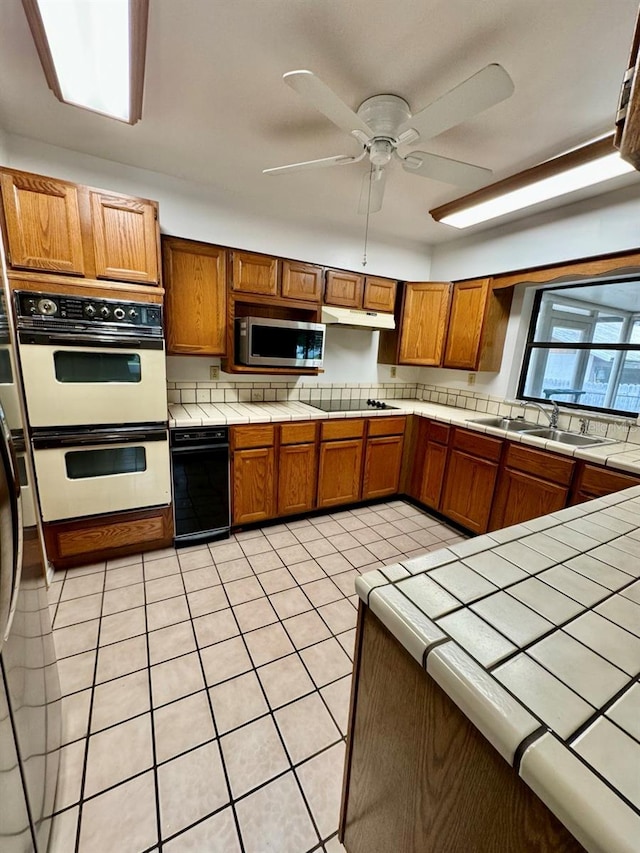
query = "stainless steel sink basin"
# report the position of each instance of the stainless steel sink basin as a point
(572, 438)
(511, 424)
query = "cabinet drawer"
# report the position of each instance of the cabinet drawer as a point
(477, 445)
(297, 433)
(438, 432)
(342, 429)
(387, 426)
(597, 481)
(252, 436)
(548, 466)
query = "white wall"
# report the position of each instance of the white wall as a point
(4, 146)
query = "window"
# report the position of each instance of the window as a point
(583, 348)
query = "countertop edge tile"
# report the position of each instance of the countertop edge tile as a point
(409, 625)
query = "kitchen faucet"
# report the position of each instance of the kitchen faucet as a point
(553, 417)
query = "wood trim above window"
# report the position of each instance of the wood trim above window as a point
(600, 265)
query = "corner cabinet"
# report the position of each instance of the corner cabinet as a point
(55, 226)
(195, 297)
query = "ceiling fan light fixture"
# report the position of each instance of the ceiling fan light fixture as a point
(93, 54)
(582, 167)
(380, 152)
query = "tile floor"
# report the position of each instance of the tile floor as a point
(206, 690)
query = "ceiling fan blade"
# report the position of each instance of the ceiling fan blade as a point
(443, 169)
(484, 89)
(325, 100)
(376, 180)
(338, 160)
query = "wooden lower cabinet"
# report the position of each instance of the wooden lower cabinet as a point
(382, 463)
(472, 471)
(297, 475)
(253, 484)
(435, 464)
(593, 481)
(74, 543)
(340, 472)
(419, 775)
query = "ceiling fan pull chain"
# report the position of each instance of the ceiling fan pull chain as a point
(366, 226)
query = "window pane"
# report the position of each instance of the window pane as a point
(97, 367)
(105, 462)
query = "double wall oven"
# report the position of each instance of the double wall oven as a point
(95, 385)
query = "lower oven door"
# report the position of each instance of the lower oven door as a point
(71, 384)
(98, 472)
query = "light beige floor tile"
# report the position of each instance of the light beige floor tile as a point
(268, 643)
(122, 626)
(171, 642)
(334, 846)
(154, 569)
(243, 590)
(121, 658)
(75, 716)
(76, 673)
(115, 701)
(116, 754)
(253, 755)
(201, 578)
(89, 569)
(265, 562)
(334, 564)
(182, 725)
(326, 661)
(343, 541)
(255, 614)
(159, 553)
(70, 775)
(135, 828)
(76, 638)
(308, 534)
(348, 641)
(366, 536)
(259, 545)
(404, 542)
(320, 547)
(327, 528)
(191, 787)
(306, 572)
(338, 696)
(215, 627)
(234, 570)
(284, 680)
(216, 834)
(290, 603)
(62, 837)
(359, 556)
(383, 550)
(120, 562)
(339, 615)
(237, 701)
(345, 581)
(176, 678)
(322, 592)
(225, 660)
(123, 598)
(321, 779)
(166, 587)
(222, 552)
(277, 580)
(207, 601)
(306, 629)
(190, 560)
(275, 818)
(124, 576)
(78, 610)
(285, 539)
(81, 586)
(306, 727)
(169, 611)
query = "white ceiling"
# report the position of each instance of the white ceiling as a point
(216, 110)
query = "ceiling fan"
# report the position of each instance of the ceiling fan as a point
(384, 123)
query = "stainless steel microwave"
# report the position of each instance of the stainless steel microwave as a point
(266, 342)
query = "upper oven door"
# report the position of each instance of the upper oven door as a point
(79, 384)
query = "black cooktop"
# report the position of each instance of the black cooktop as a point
(359, 405)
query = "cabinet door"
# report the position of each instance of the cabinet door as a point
(520, 497)
(253, 485)
(424, 323)
(339, 472)
(468, 490)
(344, 289)
(435, 461)
(195, 297)
(43, 224)
(465, 324)
(594, 482)
(125, 238)
(382, 463)
(251, 273)
(302, 281)
(379, 294)
(297, 475)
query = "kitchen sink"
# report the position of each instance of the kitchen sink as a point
(511, 424)
(573, 438)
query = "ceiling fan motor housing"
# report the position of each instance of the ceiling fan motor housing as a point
(384, 114)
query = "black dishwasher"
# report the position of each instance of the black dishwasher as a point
(200, 468)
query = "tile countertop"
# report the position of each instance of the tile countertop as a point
(623, 456)
(534, 632)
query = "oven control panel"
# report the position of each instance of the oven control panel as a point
(86, 310)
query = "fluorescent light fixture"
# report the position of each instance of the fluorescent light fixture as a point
(583, 167)
(93, 52)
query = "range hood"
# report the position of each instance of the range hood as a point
(357, 318)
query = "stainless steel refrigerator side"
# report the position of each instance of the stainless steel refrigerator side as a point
(29, 680)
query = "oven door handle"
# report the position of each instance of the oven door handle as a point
(94, 439)
(123, 342)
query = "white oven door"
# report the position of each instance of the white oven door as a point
(78, 480)
(78, 386)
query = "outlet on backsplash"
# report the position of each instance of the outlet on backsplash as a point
(393, 371)
(214, 373)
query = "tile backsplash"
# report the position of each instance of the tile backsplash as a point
(620, 429)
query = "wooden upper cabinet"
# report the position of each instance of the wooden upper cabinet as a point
(424, 323)
(125, 238)
(195, 297)
(379, 294)
(465, 323)
(252, 273)
(43, 223)
(302, 281)
(344, 289)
